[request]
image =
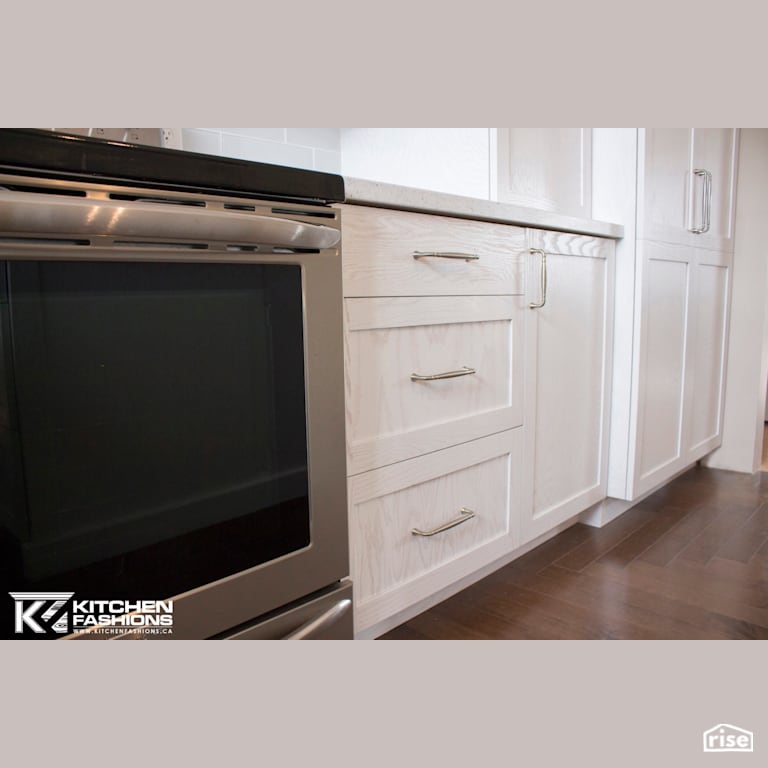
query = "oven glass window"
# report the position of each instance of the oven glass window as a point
(152, 424)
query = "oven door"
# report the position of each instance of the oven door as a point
(172, 412)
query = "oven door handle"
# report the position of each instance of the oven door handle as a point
(30, 214)
(323, 621)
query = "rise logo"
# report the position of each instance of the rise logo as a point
(728, 738)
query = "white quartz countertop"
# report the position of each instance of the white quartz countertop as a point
(381, 195)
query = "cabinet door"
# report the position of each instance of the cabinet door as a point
(546, 168)
(665, 181)
(568, 346)
(657, 449)
(708, 349)
(712, 194)
(687, 184)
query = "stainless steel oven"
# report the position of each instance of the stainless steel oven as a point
(171, 395)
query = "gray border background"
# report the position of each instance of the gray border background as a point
(352, 63)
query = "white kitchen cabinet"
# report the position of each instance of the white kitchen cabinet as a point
(434, 319)
(471, 417)
(686, 185)
(672, 296)
(546, 168)
(682, 338)
(402, 253)
(418, 526)
(708, 351)
(569, 329)
(425, 373)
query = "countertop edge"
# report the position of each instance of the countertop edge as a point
(381, 195)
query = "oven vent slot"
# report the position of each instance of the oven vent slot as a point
(149, 244)
(278, 249)
(58, 191)
(244, 248)
(42, 241)
(295, 212)
(238, 207)
(159, 200)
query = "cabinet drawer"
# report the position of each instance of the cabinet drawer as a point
(395, 347)
(386, 505)
(379, 245)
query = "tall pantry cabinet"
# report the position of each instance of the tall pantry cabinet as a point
(675, 190)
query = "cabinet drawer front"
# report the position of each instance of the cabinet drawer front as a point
(478, 342)
(379, 245)
(568, 244)
(425, 494)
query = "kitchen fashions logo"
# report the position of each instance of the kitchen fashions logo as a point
(53, 613)
(28, 605)
(728, 738)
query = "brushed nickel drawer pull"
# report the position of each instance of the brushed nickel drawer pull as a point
(703, 228)
(465, 371)
(466, 514)
(444, 255)
(543, 276)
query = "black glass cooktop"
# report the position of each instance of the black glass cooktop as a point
(44, 153)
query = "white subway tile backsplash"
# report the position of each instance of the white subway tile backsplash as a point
(247, 148)
(268, 134)
(201, 140)
(329, 162)
(318, 138)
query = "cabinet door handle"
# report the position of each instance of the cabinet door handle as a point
(708, 194)
(445, 255)
(465, 371)
(465, 514)
(704, 174)
(543, 284)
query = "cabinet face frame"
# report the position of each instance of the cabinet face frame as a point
(571, 500)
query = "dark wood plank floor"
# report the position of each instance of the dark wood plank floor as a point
(690, 562)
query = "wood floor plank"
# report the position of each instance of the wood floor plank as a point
(679, 537)
(749, 538)
(707, 544)
(690, 583)
(604, 539)
(671, 616)
(645, 537)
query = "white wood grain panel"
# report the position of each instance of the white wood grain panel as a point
(378, 247)
(399, 312)
(568, 244)
(389, 416)
(426, 492)
(567, 390)
(547, 168)
(708, 349)
(664, 195)
(662, 372)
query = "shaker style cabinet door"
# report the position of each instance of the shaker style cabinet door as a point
(708, 351)
(713, 186)
(686, 186)
(661, 372)
(568, 348)
(683, 338)
(546, 168)
(664, 157)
